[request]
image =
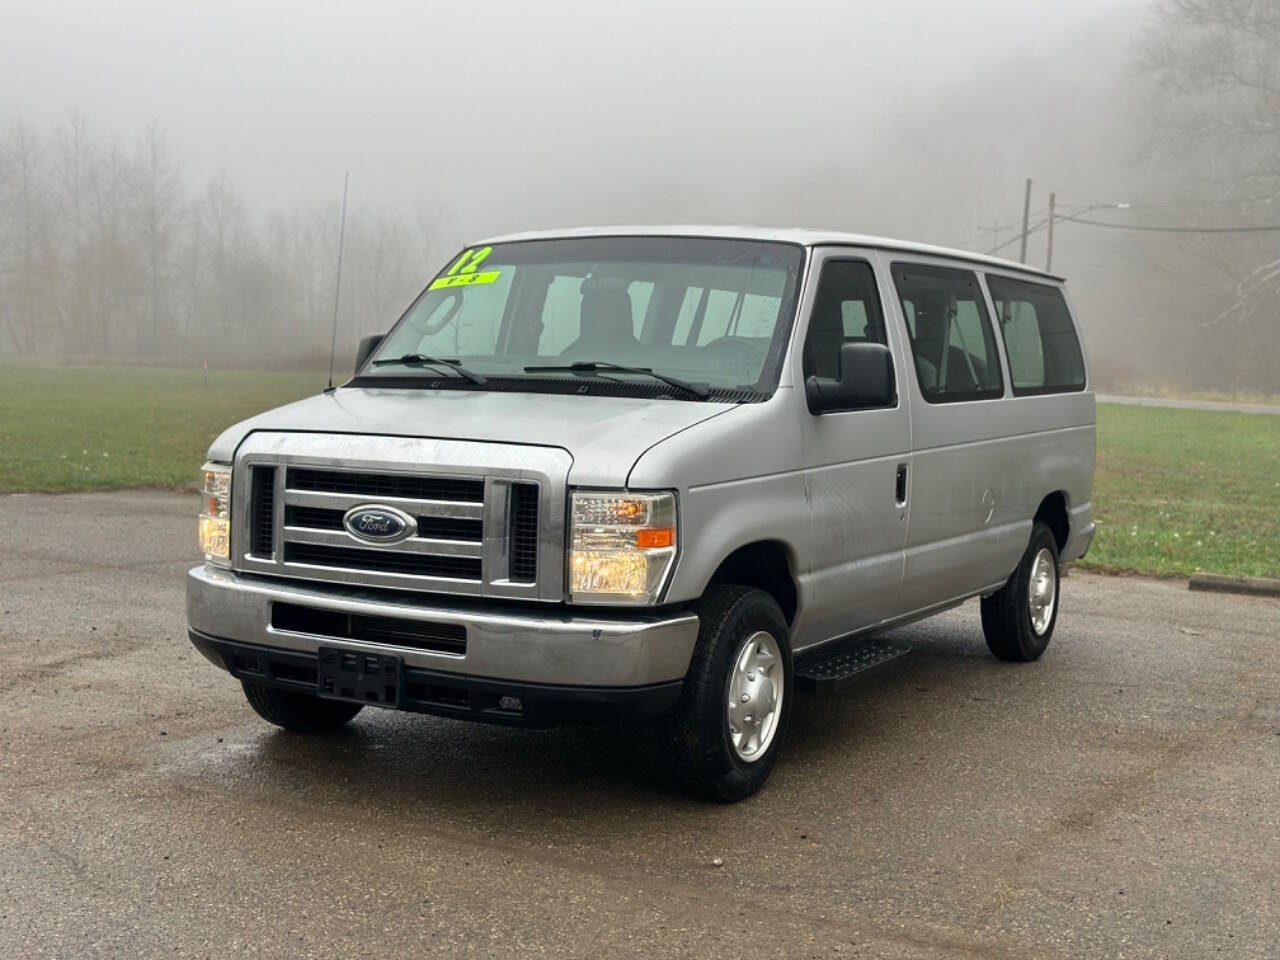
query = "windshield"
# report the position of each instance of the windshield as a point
(710, 312)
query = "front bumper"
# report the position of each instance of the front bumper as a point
(455, 695)
(557, 646)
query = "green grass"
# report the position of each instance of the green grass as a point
(91, 428)
(1180, 491)
(1177, 490)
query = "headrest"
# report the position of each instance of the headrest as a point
(606, 308)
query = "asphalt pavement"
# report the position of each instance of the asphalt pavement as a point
(1116, 799)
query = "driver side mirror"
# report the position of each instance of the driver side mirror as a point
(866, 380)
(366, 348)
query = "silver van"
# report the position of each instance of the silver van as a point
(666, 475)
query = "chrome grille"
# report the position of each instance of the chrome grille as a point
(383, 561)
(524, 532)
(387, 485)
(263, 531)
(487, 529)
(315, 501)
(439, 528)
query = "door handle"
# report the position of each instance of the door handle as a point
(900, 486)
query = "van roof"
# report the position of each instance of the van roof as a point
(802, 236)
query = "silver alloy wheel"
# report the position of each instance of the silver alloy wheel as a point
(755, 695)
(1042, 592)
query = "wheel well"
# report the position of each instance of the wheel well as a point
(764, 565)
(1053, 513)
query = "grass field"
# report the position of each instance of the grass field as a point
(89, 428)
(1177, 490)
(1180, 491)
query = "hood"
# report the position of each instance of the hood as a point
(604, 435)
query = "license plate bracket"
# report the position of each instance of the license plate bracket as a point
(372, 678)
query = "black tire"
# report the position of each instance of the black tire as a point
(701, 749)
(300, 712)
(1006, 614)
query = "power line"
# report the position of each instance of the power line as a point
(1201, 204)
(1040, 225)
(1154, 229)
(1012, 224)
(1032, 229)
(1173, 205)
(999, 228)
(1088, 206)
(994, 229)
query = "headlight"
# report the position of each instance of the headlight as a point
(621, 546)
(215, 514)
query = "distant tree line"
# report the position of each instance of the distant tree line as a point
(108, 252)
(1212, 72)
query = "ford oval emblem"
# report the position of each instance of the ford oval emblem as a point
(377, 524)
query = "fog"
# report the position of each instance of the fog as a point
(916, 120)
(484, 103)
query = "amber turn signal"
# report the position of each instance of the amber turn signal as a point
(654, 538)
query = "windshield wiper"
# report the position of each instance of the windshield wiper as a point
(592, 366)
(422, 360)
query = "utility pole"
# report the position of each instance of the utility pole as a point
(1026, 218)
(1048, 260)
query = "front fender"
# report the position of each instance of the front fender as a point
(738, 483)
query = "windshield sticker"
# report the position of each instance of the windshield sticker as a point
(463, 272)
(469, 260)
(465, 280)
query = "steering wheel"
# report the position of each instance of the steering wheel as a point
(741, 352)
(454, 299)
(735, 344)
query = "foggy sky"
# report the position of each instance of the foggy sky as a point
(510, 115)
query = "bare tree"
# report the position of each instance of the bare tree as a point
(25, 203)
(157, 209)
(115, 262)
(73, 173)
(8, 245)
(103, 252)
(226, 230)
(1214, 67)
(1213, 72)
(386, 271)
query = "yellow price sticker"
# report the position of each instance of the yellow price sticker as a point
(465, 280)
(463, 272)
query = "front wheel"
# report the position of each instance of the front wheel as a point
(1018, 619)
(733, 711)
(300, 712)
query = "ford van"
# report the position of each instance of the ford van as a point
(667, 476)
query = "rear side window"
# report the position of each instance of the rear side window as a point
(1039, 337)
(951, 337)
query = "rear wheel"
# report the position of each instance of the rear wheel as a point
(300, 712)
(733, 711)
(1018, 619)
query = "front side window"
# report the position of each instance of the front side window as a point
(846, 309)
(713, 312)
(952, 342)
(1039, 337)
